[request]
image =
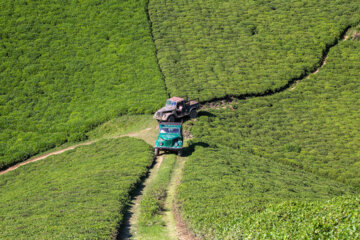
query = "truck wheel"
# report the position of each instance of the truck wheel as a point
(193, 113)
(171, 118)
(157, 152)
(179, 153)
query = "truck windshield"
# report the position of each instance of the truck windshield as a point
(169, 130)
(170, 103)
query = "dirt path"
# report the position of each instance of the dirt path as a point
(44, 156)
(142, 134)
(323, 61)
(128, 229)
(176, 226)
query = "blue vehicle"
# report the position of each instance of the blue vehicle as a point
(170, 138)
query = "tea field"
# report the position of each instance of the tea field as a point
(67, 66)
(315, 126)
(211, 49)
(227, 194)
(277, 166)
(79, 194)
(282, 163)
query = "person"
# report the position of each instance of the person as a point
(180, 109)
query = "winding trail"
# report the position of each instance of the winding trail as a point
(128, 230)
(140, 134)
(176, 226)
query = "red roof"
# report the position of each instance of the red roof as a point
(176, 99)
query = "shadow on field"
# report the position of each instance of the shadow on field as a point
(205, 113)
(200, 113)
(187, 151)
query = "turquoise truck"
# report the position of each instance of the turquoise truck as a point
(170, 138)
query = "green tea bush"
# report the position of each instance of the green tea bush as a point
(276, 166)
(80, 194)
(67, 66)
(227, 194)
(334, 219)
(210, 49)
(315, 126)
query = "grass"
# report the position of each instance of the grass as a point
(78, 194)
(280, 167)
(150, 222)
(68, 66)
(210, 49)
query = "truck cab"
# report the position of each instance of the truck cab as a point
(170, 138)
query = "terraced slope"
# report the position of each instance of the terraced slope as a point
(67, 66)
(274, 164)
(79, 194)
(211, 49)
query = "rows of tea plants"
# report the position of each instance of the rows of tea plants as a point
(297, 148)
(224, 192)
(315, 126)
(215, 48)
(79, 194)
(337, 218)
(67, 66)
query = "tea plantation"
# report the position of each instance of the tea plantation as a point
(276, 166)
(315, 126)
(226, 193)
(67, 66)
(210, 49)
(282, 163)
(75, 195)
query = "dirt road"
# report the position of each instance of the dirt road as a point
(142, 134)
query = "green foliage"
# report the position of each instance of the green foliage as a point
(123, 125)
(334, 219)
(223, 190)
(67, 66)
(79, 194)
(314, 126)
(276, 166)
(212, 48)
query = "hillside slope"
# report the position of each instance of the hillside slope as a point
(67, 66)
(315, 126)
(80, 194)
(211, 49)
(275, 167)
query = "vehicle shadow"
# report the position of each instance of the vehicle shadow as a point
(187, 151)
(206, 113)
(200, 113)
